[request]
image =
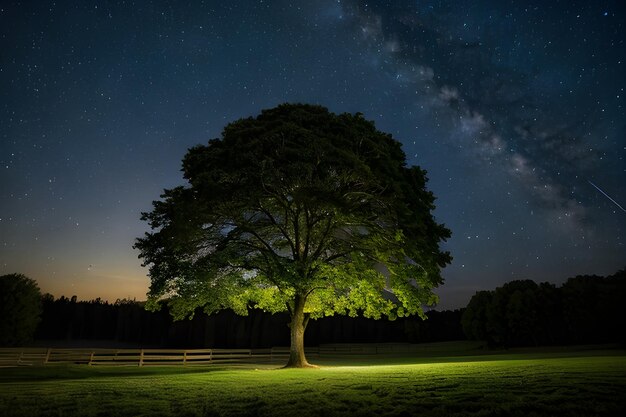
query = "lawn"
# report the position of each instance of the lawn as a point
(528, 383)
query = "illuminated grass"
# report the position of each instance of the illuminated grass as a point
(580, 384)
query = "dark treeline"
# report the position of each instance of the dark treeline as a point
(128, 322)
(585, 309)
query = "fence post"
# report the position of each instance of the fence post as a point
(47, 358)
(91, 358)
(141, 357)
(184, 357)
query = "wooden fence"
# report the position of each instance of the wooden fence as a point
(140, 357)
(145, 357)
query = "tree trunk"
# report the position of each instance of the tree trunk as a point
(298, 324)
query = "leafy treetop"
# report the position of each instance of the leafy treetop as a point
(297, 208)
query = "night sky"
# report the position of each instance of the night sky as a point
(515, 109)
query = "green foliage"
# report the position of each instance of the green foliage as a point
(20, 309)
(296, 205)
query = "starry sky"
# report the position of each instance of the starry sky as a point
(515, 109)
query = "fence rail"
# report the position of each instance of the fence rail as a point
(146, 357)
(141, 357)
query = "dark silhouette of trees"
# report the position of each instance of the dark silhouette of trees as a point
(551, 328)
(594, 308)
(441, 326)
(474, 319)
(67, 318)
(585, 309)
(97, 323)
(301, 211)
(20, 308)
(512, 316)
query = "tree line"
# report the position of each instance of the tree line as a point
(585, 309)
(128, 322)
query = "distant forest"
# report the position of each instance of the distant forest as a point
(128, 322)
(585, 309)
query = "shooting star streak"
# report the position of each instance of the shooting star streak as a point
(607, 196)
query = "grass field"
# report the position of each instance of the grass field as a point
(528, 383)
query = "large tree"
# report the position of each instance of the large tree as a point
(297, 210)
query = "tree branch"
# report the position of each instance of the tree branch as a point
(263, 242)
(336, 256)
(309, 226)
(311, 291)
(322, 241)
(296, 231)
(275, 222)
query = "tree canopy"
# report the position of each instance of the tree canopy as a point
(20, 309)
(296, 210)
(585, 309)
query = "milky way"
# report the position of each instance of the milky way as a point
(515, 109)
